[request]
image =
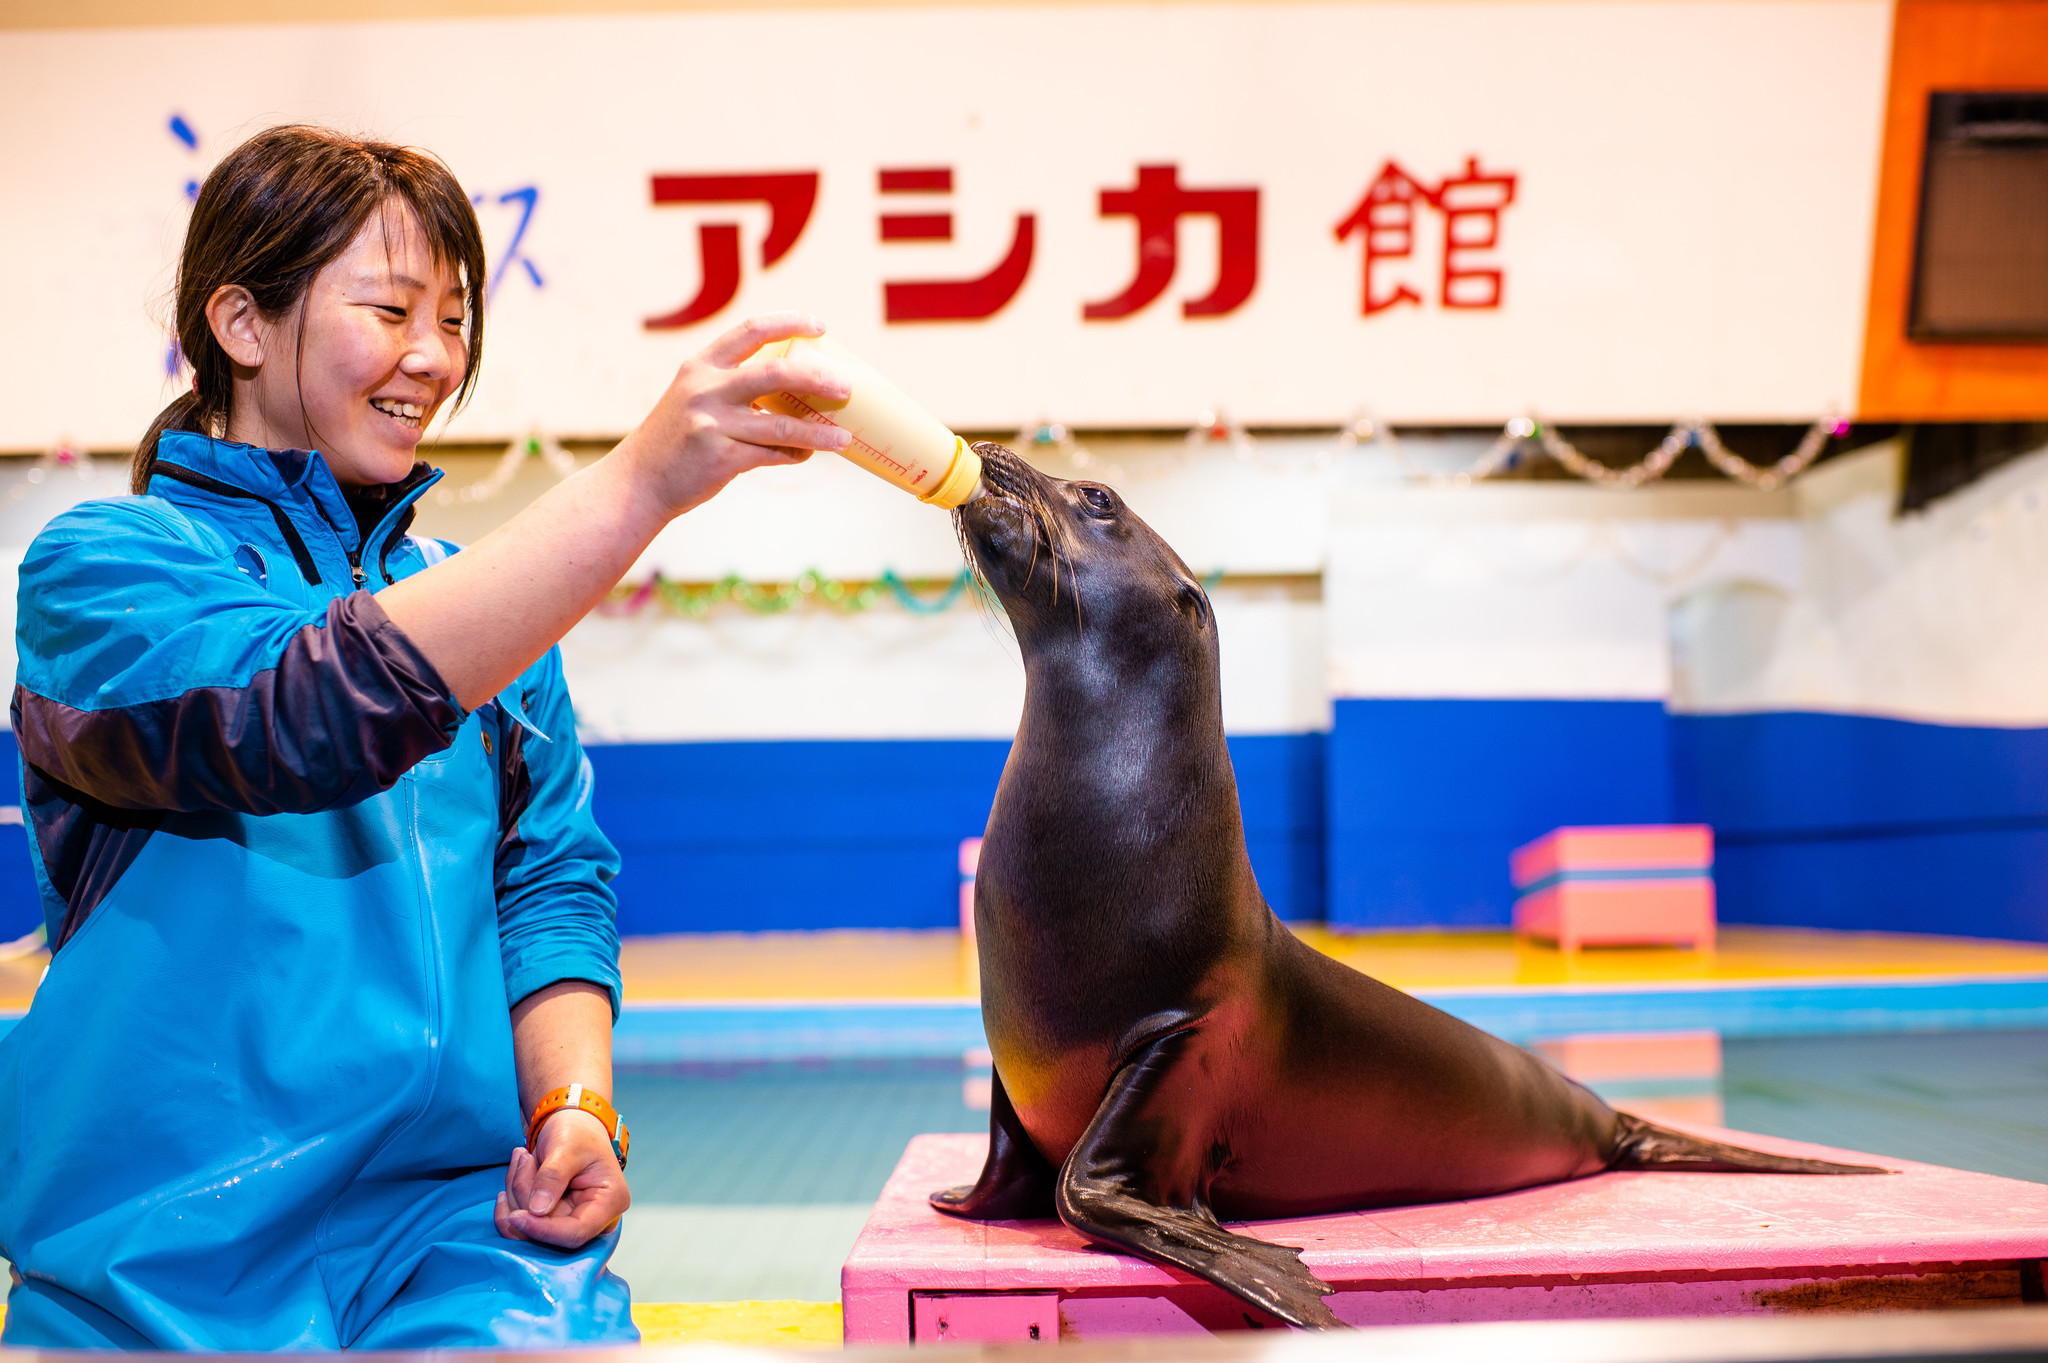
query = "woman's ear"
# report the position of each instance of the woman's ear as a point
(236, 324)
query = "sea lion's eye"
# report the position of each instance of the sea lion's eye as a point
(1099, 499)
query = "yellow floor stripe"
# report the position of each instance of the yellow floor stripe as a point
(777, 1324)
(783, 1324)
(938, 964)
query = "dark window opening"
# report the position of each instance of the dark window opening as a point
(1980, 264)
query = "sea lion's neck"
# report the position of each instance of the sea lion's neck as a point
(1091, 697)
(1123, 753)
(1114, 872)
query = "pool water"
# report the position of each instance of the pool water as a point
(1971, 1100)
(750, 1182)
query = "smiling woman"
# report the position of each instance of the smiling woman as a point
(358, 265)
(273, 741)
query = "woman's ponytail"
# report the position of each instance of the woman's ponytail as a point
(182, 415)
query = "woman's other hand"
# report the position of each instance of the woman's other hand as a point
(568, 1190)
(705, 430)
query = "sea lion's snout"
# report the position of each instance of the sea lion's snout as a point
(1063, 554)
(1006, 528)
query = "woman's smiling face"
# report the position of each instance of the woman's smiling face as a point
(361, 368)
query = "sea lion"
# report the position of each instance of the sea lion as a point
(1166, 1052)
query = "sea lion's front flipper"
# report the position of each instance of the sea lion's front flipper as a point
(1645, 1145)
(1016, 1182)
(1136, 1180)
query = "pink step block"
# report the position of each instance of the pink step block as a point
(1645, 885)
(1619, 913)
(1618, 847)
(1623, 1244)
(970, 862)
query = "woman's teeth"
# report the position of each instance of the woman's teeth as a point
(408, 412)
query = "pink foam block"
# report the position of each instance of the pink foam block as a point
(970, 862)
(1620, 847)
(1619, 1244)
(1575, 913)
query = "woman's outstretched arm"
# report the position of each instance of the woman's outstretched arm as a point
(483, 616)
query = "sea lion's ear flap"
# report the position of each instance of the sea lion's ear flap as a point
(1195, 602)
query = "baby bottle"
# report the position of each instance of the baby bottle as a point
(893, 438)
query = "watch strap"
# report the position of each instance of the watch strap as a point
(583, 1100)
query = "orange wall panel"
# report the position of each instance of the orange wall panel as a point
(1944, 45)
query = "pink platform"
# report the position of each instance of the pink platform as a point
(1628, 1244)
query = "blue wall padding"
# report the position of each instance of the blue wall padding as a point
(1428, 797)
(776, 835)
(1834, 821)
(1780, 773)
(20, 908)
(1281, 789)
(849, 833)
(1850, 821)
(749, 836)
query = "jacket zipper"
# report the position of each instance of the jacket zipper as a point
(390, 537)
(359, 574)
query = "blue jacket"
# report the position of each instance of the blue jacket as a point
(292, 889)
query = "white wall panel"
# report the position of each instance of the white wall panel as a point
(1939, 616)
(810, 673)
(1533, 590)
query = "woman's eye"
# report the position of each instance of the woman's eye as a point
(397, 312)
(1099, 499)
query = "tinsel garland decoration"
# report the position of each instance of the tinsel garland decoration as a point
(697, 600)
(1684, 435)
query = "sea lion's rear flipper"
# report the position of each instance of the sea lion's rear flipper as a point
(1645, 1145)
(1015, 1184)
(1135, 1182)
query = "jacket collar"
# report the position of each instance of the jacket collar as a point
(287, 477)
(293, 481)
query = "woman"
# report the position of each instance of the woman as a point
(330, 916)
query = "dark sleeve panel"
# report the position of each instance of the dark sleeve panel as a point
(554, 866)
(348, 708)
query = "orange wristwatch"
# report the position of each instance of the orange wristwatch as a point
(577, 1096)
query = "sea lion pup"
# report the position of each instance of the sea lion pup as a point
(1166, 1052)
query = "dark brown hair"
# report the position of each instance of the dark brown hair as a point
(272, 214)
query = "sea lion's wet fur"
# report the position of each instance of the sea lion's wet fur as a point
(1167, 1053)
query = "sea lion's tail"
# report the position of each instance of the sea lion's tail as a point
(1644, 1145)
